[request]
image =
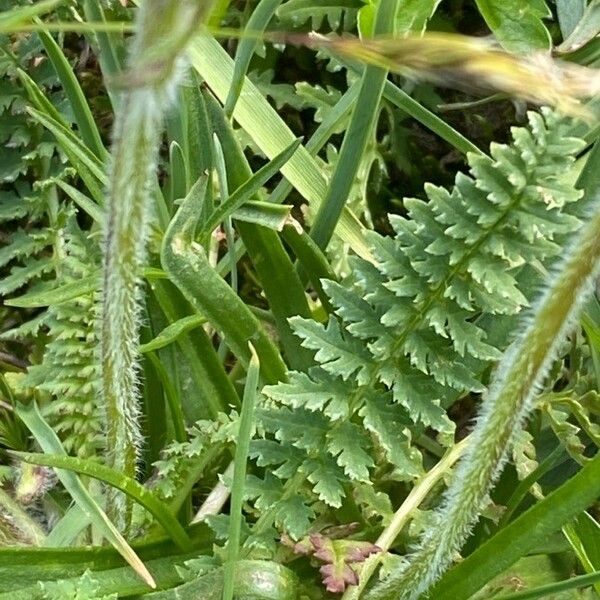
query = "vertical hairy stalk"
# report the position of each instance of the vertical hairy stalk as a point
(163, 29)
(510, 399)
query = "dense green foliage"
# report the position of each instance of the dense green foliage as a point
(239, 364)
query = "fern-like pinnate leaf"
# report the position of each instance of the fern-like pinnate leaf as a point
(417, 329)
(69, 370)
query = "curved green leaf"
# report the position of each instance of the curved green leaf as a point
(170, 333)
(49, 442)
(131, 487)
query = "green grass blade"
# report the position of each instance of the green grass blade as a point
(548, 591)
(583, 534)
(11, 19)
(177, 416)
(44, 564)
(320, 137)
(312, 259)
(188, 267)
(131, 487)
(239, 473)
(521, 536)
(87, 167)
(272, 216)
(71, 144)
(221, 172)
(39, 99)
(110, 46)
(281, 285)
(82, 201)
(428, 119)
(195, 136)
(558, 455)
(257, 23)
(49, 442)
(66, 530)
(81, 109)
(589, 179)
(214, 391)
(254, 113)
(172, 332)
(245, 191)
(364, 117)
(119, 580)
(177, 172)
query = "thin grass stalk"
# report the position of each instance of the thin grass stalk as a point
(163, 30)
(364, 118)
(258, 21)
(402, 516)
(239, 474)
(256, 116)
(505, 408)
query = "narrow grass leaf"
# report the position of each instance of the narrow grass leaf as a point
(81, 109)
(521, 536)
(360, 130)
(173, 399)
(281, 285)
(170, 333)
(583, 534)
(257, 23)
(248, 189)
(87, 167)
(266, 214)
(549, 590)
(114, 580)
(254, 113)
(312, 260)
(49, 442)
(239, 472)
(214, 392)
(82, 201)
(67, 528)
(131, 487)
(189, 269)
(39, 99)
(11, 19)
(110, 47)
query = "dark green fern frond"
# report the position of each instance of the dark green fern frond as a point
(418, 329)
(28, 158)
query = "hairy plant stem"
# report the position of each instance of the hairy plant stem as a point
(163, 29)
(505, 407)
